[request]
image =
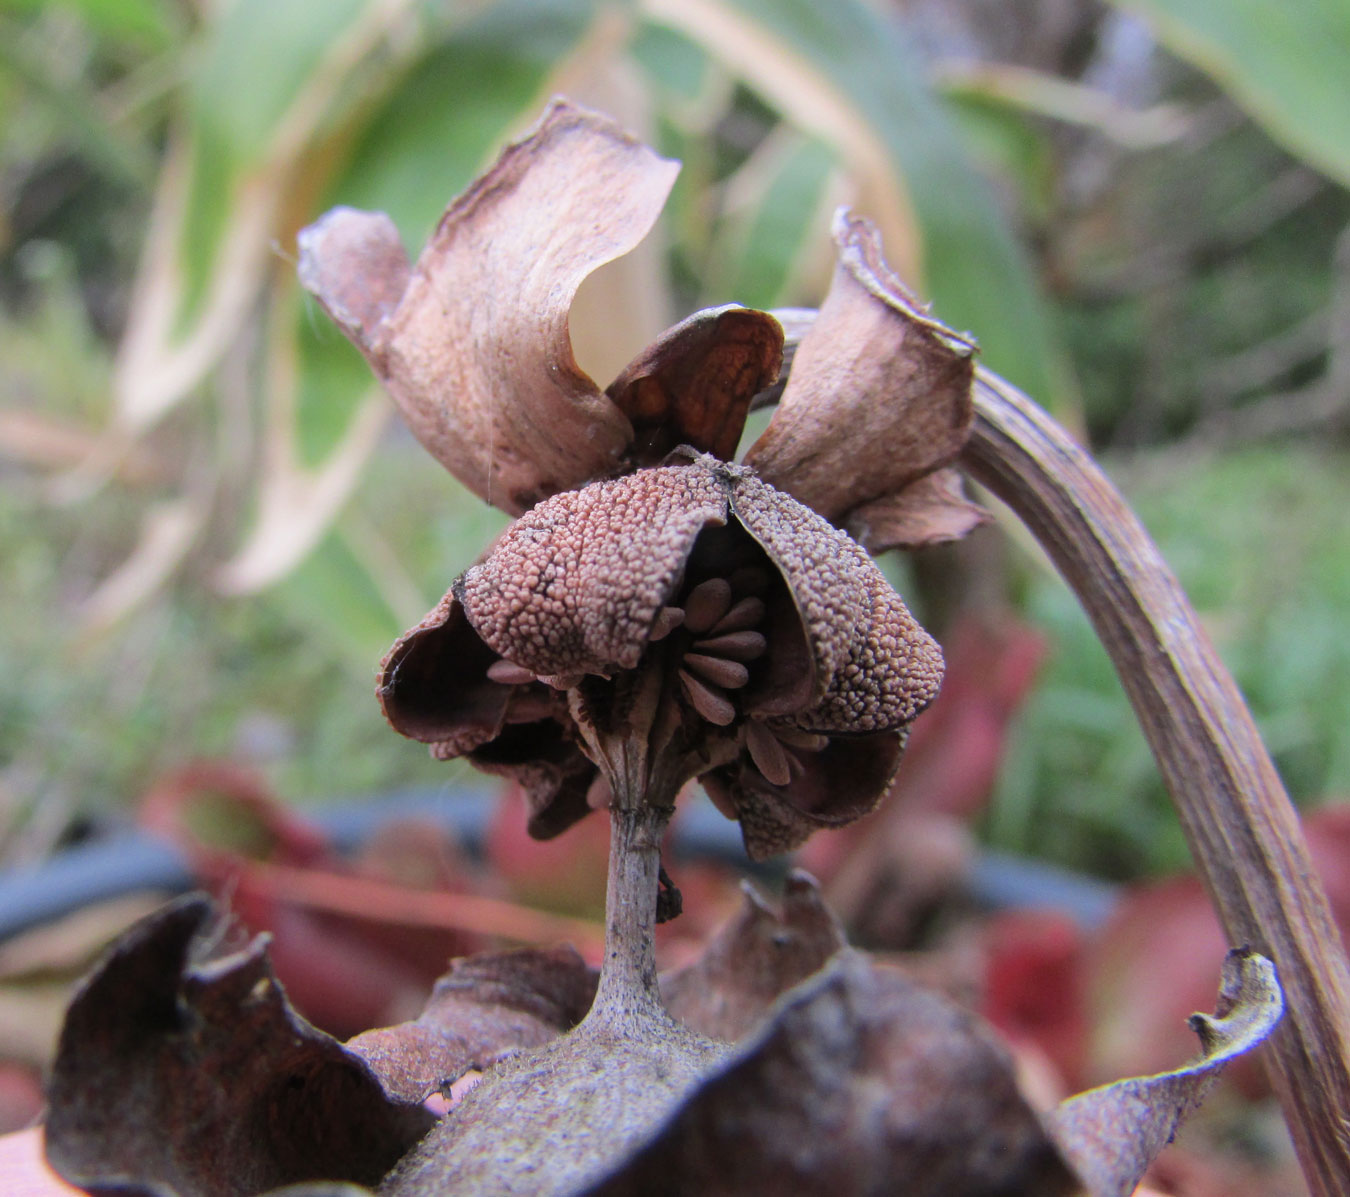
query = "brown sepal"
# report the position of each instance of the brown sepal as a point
(879, 394)
(933, 510)
(476, 351)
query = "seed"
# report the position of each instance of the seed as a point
(745, 614)
(739, 646)
(805, 740)
(730, 675)
(508, 673)
(706, 604)
(770, 758)
(667, 620)
(708, 701)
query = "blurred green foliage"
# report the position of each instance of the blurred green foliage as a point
(1142, 224)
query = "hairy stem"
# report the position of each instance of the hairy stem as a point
(1242, 829)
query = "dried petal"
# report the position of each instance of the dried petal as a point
(1112, 1133)
(435, 683)
(879, 393)
(476, 353)
(577, 584)
(931, 511)
(694, 384)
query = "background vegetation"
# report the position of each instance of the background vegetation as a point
(211, 527)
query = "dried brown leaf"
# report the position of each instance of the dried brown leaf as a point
(1112, 1134)
(754, 959)
(181, 1077)
(879, 393)
(862, 1083)
(931, 511)
(487, 1007)
(476, 351)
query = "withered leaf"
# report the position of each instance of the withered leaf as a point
(179, 1076)
(861, 1083)
(879, 393)
(754, 959)
(1113, 1133)
(486, 1007)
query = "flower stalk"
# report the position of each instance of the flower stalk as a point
(628, 992)
(1241, 827)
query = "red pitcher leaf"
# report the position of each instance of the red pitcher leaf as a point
(486, 1007)
(754, 959)
(177, 1075)
(861, 1083)
(879, 393)
(1113, 1133)
(932, 510)
(476, 351)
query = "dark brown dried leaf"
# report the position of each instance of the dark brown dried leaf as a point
(862, 1083)
(754, 959)
(174, 1077)
(879, 393)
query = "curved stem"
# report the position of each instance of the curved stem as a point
(1242, 829)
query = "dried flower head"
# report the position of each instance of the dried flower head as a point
(661, 614)
(693, 610)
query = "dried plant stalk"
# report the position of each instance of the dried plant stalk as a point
(1242, 829)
